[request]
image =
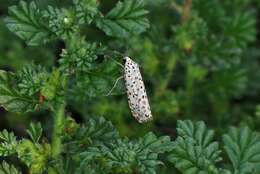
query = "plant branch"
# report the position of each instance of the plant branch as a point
(189, 89)
(166, 80)
(57, 129)
(186, 11)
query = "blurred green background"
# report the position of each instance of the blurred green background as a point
(206, 68)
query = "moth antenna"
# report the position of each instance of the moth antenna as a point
(120, 64)
(118, 53)
(127, 46)
(111, 90)
(115, 53)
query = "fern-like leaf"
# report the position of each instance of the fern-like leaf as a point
(242, 28)
(86, 10)
(25, 21)
(128, 17)
(243, 148)
(6, 168)
(8, 143)
(11, 99)
(96, 131)
(122, 156)
(198, 132)
(35, 131)
(155, 144)
(194, 150)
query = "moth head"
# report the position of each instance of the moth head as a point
(126, 59)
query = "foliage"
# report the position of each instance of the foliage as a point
(5, 168)
(8, 143)
(195, 151)
(242, 147)
(33, 154)
(25, 21)
(124, 156)
(199, 61)
(127, 17)
(96, 147)
(12, 99)
(35, 132)
(80, 56)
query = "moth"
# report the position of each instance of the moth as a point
(136, 93)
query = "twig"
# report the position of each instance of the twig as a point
(186, 10)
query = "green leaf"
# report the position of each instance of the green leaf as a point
(96, 131)
(25, 21)
(122, 156)
(7, 137)
(80, 56)
(195, 151)
(128, 17)
(86, 10)
(35, 131)
(228, 82)
(34, 155)
(11, 99)
(99, 129)
(6, 168)
(61, 21)
(196, 131)
(54, 86)
(241, 28)
(243, 148)
(30, 79)
(8, 143)
(159, 145)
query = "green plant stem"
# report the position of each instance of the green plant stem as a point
(189, 76)
(170, 68)
(189, 89)
(59, 114)
(57, 129)
(59, 111)
(220, 108)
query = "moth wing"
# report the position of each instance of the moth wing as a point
(137, 97)
(143, 102)
(131, 88)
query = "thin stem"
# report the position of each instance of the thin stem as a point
(168, 77)
(189, 89)
(57, 129)
(186, 10)
(189, 76)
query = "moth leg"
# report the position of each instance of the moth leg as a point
(111, 90)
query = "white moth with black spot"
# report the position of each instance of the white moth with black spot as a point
(137, 97)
